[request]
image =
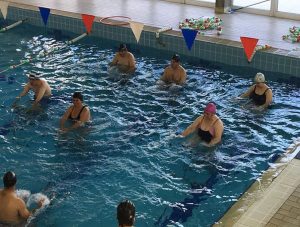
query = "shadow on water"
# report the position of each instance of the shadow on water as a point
(199, 191)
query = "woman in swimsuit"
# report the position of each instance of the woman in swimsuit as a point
(259, 93)
(77, 113)
(208, 126)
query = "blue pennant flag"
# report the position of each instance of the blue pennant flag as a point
(189, 37)
(45, 14)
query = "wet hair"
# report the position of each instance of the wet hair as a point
(126, 213)
(122, 47)
(9, 179)
(78, 95)
(176, 58)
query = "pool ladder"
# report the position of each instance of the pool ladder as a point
(158, 32)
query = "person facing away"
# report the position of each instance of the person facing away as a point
(78, 113)
(208, 126)
(13, 210)
(174, 73)
(126, 214)
(259, 93)
(124, 60)
(39, 86)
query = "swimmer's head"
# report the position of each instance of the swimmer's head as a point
(33, 75)
(210, 108)
(176, 58)
(9, 179)
(259, 78)
(126, 213)
(122, 47)
(78, 95)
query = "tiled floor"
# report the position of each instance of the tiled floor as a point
(162, 13)
(273, 198)
(289, 213)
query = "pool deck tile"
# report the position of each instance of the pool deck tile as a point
(274, 209)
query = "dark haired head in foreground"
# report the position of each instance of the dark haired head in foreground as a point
(126, 213)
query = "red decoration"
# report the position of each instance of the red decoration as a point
(88, 21)
(249, 45)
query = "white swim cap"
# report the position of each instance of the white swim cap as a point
(259, 78)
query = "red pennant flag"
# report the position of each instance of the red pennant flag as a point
(249, 45)
(88, 21)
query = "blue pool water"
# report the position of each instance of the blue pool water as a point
(129, 151)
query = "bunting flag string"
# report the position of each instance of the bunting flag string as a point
(44, 14)
(189, 37)
(3, 8)
(137, 29)
(249, 45)
(88, 21)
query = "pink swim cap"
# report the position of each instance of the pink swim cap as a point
(210, 108)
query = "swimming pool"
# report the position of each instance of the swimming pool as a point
(129, 151)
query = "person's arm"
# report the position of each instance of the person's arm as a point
(219, 128)
(269, 95)
(182, 77)
(247, 93)
(22, 210)
(165, 75)
(192, 127)
(132, 66)
(64, 118)
(115, 60)
(25, 91)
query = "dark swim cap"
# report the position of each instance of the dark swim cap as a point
(78, 95)
(176, 58)
(126, 213)
(9, 179)
(122, 47)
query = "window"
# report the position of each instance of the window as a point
(254, 4)
(289, 6)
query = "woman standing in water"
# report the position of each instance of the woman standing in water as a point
(208, 126)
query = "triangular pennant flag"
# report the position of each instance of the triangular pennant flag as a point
(88, 21)
(3, 8)
(189, 37)
(137, 29)
(249, 45)
(45, 14)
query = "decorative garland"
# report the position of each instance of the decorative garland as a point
(202, 24)
(294, 35)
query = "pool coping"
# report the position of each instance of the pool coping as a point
(211, 48)
(238, 214)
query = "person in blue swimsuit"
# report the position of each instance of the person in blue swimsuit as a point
(259, 93)
(208, 126)
(78, 113)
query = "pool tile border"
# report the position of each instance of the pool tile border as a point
(206, 48)
(267, 194)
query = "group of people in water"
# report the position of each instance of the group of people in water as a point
(208, 126)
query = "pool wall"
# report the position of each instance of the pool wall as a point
(210, 49)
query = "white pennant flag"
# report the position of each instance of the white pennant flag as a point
(137, 29)
(3, 8)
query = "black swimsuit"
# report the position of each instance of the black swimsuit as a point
(258, 99)
(206, 135)
(78, 116)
